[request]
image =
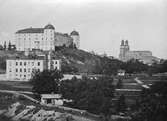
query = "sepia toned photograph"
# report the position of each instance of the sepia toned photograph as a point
(83, 60)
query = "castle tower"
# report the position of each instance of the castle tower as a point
(76, 39)
(48, 41)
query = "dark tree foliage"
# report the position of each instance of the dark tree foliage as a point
(135, 66)
(158, 68)
(4, 46)
(107, 66)
(121, 105)
(9, 46)
(153, 104)
(119, 84)
(2, 63)
(89, 94)
(46, 81)
(1, 47)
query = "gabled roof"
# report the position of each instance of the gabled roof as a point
(30, 30)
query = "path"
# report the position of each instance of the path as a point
(141, 83)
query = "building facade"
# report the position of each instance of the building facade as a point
(144, 56)
(43, 38)
(22, 68)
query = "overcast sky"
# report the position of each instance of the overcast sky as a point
(102, 24)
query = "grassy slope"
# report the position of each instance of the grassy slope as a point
(80, 59)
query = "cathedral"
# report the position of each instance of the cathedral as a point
(44, 39)
(126, 54)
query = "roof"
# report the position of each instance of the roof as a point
(31, 30)
(49, 26)
(74, 33)
(50, 96)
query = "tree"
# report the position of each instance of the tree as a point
(94, 95)
(9, 46)
(135, 66)
(153, 103)
(46, 81)
(4, 45)
(119, 84)
(121, 105)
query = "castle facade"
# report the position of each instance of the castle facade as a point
(145, 56)
(44, 39)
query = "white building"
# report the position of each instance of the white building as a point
(43, 38)
(51, 99)
(21, 69)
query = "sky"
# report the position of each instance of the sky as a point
(102, 24)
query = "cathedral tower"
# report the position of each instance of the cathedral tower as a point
(124, 48)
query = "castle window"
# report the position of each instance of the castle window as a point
(20, 70)
(24, 70)
(25, 63)
(16, 70)
(29, 70)
(55, 62)
(38, 63)
(20, 63)
(32, 63)
(16, 63)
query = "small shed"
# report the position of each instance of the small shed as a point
(51, 99)
(121, 72)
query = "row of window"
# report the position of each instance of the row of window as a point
(35, 38)
(27, 63)
(23, 70)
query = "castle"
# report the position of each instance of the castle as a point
(145, 56)
(44, 39)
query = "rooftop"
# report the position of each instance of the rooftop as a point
(31, 30)
(57, 96)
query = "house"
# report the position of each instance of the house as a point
(121, 72)
(51, 99)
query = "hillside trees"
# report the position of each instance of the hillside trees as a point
(135, 66)
(94, 95)
(153, 103)
(46, 81)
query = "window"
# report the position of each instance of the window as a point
(25, 76)
(20, 70)
(55, 62)
(38, 63)
(16, 63)
(24, 70)
(20, 63)
(32, 63)
(25, 63)
(29, 70)
(16, 70)
(20, 75)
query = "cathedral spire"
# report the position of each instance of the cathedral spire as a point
(122, 43)
(126, 42)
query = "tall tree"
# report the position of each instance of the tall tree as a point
(46, 81)
(9, 46)
(4, 45)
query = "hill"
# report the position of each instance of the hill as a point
(73, 60)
